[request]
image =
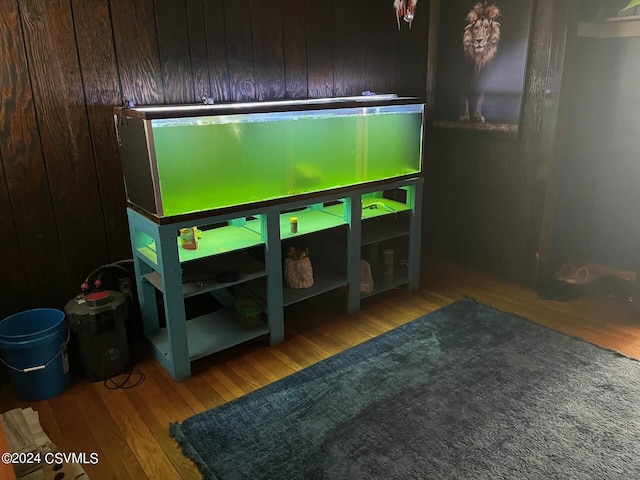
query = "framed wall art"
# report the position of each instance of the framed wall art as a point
(482, 60)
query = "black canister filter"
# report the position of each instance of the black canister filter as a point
(98, 321)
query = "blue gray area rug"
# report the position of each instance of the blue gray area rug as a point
(466, 392)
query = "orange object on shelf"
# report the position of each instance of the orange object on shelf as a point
(189, 238)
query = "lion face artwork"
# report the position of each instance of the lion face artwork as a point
(480, 43)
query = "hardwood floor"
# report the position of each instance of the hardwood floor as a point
(129, 428)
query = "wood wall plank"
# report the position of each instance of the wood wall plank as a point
(13, 279)
(402, 68)
(198, 49)
(295, 49)
(419, 46)
(521, 244)
(320, 48)
(173, 45)
(64, 131)
(378, 32)
(102, 92)
(216, 30)
(268, 49)
(473, 200)
(495, 223)
(240, 56)
(32, 271)
(349, 57)
(555, 124)
(540, 114)
(135, 37)
(66, 62)
(410, 47)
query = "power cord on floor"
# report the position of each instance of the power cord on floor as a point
(133, 379)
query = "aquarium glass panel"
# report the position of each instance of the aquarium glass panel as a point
(219, 161)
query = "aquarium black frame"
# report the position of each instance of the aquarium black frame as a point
(138, 156)
(156, 112)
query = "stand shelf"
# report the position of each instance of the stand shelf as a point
(325, 280)
(380, 285)
(208, 334)
(240, 256)
(191, 289)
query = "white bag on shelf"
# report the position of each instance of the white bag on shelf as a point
(298, 271)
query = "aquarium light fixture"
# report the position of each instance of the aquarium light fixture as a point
(240, 106)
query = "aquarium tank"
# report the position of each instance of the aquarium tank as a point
(194, 158)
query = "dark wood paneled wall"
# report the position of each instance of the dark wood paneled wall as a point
(485, 192)
(598, 189)
(64, 64)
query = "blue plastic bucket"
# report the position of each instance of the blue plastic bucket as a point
(33, 345)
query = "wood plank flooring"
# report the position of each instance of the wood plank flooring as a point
(129, 428)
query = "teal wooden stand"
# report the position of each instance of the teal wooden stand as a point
(363, 218)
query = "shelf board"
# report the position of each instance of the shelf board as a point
(377, 207)
(309, 221)
(380, 284)
(322, 283)
(325, 280)
(223, 240)
(213, 242)
(247, 267)
(380, 231)
(372, 207)
(211, 333)
(149, 255)
(191, 289)
(618, 27)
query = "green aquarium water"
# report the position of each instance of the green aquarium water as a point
(219, 161)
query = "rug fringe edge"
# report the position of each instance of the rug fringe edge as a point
(188, 451)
